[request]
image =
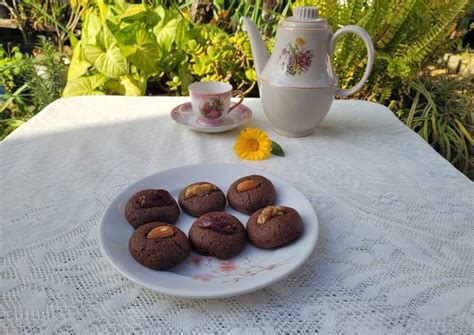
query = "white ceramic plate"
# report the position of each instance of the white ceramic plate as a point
(200, 276)
(184, 115)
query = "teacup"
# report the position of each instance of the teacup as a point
(211, 100)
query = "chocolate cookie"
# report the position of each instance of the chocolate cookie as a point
(217, 234)
(158, 245)
(274, 226)
(151, 206)
(201, 198)
(250, 193)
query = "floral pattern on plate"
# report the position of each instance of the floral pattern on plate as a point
(295, 59)
(229, 270)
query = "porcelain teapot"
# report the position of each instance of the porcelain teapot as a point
(297, 83)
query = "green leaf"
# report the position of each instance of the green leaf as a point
(92, 52)
(165, 35)
(11, 99)
(84, 86)
(79, 65)
(112, 63)
(134, 12)
(133, 86)
(127, 50)
(277, 150)
(105, 37)
(127, 35)
(120, 6)
(180, 36)
(151, 18)
(186, 78)
(92, 27)
(464, 131)
(251, 75)
(103, 8)
(127, 85)
(146, 53)
(114, 86)
(106, 55)
(160, 10)
(72, 39)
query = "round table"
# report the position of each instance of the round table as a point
(395, 252)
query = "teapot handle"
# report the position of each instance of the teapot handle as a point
(370, 54)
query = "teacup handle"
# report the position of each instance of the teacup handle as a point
(240, 94)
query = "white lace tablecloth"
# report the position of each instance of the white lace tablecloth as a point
(395, 252)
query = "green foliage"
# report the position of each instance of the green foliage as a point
(29, 83)
(43, 15)
(277, 150)
(128, 48)
(45, 75)
(11, 66)
(441, 113)
(228, 14)
(163, 48)
(13, 104)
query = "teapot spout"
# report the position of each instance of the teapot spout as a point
(259, 52)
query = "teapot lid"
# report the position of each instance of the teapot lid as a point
(305, 17)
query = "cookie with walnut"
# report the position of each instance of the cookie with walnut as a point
(250, 193)
(274, 226)
(218, 234)
(151, 206)
(201, 198)
(158, 245)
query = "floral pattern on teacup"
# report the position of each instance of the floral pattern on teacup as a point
(295, 59)
(212, 108)
(230, 271)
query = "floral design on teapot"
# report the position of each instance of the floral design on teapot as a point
(295, 59)
(212, 108)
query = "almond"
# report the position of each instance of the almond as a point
(199, 190)
(270, 212)
(247, 185)
(161, 232)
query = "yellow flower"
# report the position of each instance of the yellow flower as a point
(300, 42)
(253, 144)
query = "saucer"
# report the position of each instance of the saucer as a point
(184, 115)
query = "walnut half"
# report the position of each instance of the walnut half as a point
(199, 190)
(270, 212)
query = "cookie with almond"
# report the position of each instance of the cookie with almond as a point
(250, 193)
(158, 245)
(200, 198)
